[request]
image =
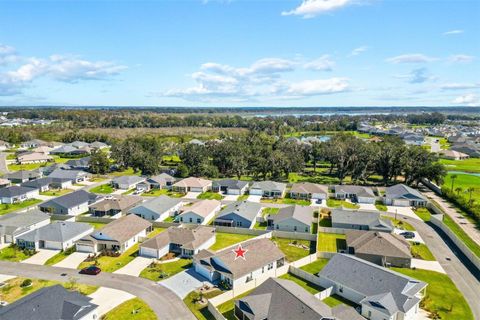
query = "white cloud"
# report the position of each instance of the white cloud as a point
(452, 32)
(8, 54)
(461, 58)
(311, 8)
(359, 50)
(318, 87)
(459, 86)
(411, 58)
(469, 99)
(323, 63)
(419, 75)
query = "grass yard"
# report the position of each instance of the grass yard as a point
(97, 225)
(260, 225)
(126, 172)
(200, 311)
(162, 271)
(15, 254)
(423, 213)
(335, 300)
(310, 287)
(295, 249)
(134, 309)
(442, 294)
(227, 239)
(243, 197)
(6, 207)
(29, 166)
(226, 308)
(129, 191)
(464, 182)
(467, 165)
(472, 245)
(334, 203)
(56, 192)
(12, 291)
(103, 189)
(160, 192)
(287, 201)
(316, 266)
(399, 224)
(421, 251)
(267, 211)
(327, 223)
(330, 242)
(59, 256)
(380, 206)
(208, 195)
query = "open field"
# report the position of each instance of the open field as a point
(467, 165)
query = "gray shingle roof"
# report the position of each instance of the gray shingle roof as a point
(269, 185)
(186, 237)
(359, 191)
(246, 209)
(401, 191)
(14, 191)
(230, 183)
(59, 231)
(378, 243)
(303, 214)
(71, 199)
(159, 204)
(37, 183)
(361, 217)
(385, 290)
(82, 162)
(128, 180)
(308, 187)
(123, 228)
(67, 174)
(50, 303)
(23, 174)
(10, 223)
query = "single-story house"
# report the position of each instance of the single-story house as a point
(308, 190)
(33, 157)
(358, 194)
(15, 194)
(43, 149)
(15, 224)
(76, 176)
(79, 164)
(23, 176)
(403, 196)
(65, 150)
(33, 144)
(49, 169)
(241, 214)
(292, 218)
(79, 144)
(51, 303)
(282, 299)
(453, 155)
(60, 183)
(380, 292)
(184, 242)
(98, 145)
(118, 235)
(262, 259)
(230, 186)
(127, 182)
(71, 204)
(41, 184)
(158, 208)
(382, 248)
(114, 206)
(360, 220)
(59, 235)
(192, 184)
(4, 183)
(201, 212)
(161, 181)
(268, 189)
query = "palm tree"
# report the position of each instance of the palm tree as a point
(458, 190)
(470, 191)
(453, 177)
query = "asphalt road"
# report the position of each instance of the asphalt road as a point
(462, 272)
(163, 302)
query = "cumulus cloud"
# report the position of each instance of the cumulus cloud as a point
(312, 8)
(452, 32)
(461, 58)
(411, 58)
(469, 99)
(22, 71)
(419, 75)
(459, 86)
(264, 78)
(359, 50)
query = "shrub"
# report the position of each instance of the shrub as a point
(26, 283)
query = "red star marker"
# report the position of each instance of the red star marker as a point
(240, 252)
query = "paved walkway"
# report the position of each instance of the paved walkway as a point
(3, 162)
(191, 195)
(107, 299)
(230, 197)
(134, 267)
(73, 260)
(253, 198)
(184, 282)
(452, 212)
(406, 211)
(41, 256)
(427, 265)
(367, 206)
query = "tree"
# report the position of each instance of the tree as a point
(458, 190)
(453, 177)
(99, 162)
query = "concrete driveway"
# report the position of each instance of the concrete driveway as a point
(134, 267)
(43, 198)
(230, 197)
(184, 282)
(367, 206)
(107, 299)
(253, 198)
(191, 195)
(41, 256)
(417, 237)
(427, 265)
(73, 260)
(406, 211)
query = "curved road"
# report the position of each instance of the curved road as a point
(465, 276)
(163, 302)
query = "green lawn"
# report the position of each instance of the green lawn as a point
(287, 201)
(468, 165)
(267, 211)
(29, 166)
(134, 309)
(243, 197)
(226, 308)
(464, 182)
(472, 245)
(330, 242)
(6, 207)
(59, 256)
(442, 294)
(421, 251)
(423, 213)
(210, 196)
(103, 189)
(97, 225)
(400, 224)
(227, 239)
(326, 223)
(56, 192)
(310, 287)
(335, 300)
(260, 225)
(126, 172)
(14, 254)
(160, 192)
(334, 203)
(316, 266)
(129, 191)
(380, 206)
(294, 249)
(200, 311)
(167, 269)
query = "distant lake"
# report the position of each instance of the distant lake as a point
(463, 172)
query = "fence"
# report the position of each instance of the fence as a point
(325, 293)
(325, 255)
(432, 186)
(62, 217)
(214, 311)
(332, 230)
(295, 235)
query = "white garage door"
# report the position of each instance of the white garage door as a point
(84, 248)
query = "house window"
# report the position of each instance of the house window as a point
(239, 223)
(191, 220)
(340, 289)
(277, 226)
(270, 266)
(294, 228)
(306, 229)
(249, 277)
(199, 220)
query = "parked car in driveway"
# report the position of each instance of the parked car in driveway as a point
(408, 235)
(92, 270)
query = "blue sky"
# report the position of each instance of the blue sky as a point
(240, 53)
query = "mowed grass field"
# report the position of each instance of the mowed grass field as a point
(468, 165)
(464, 181)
